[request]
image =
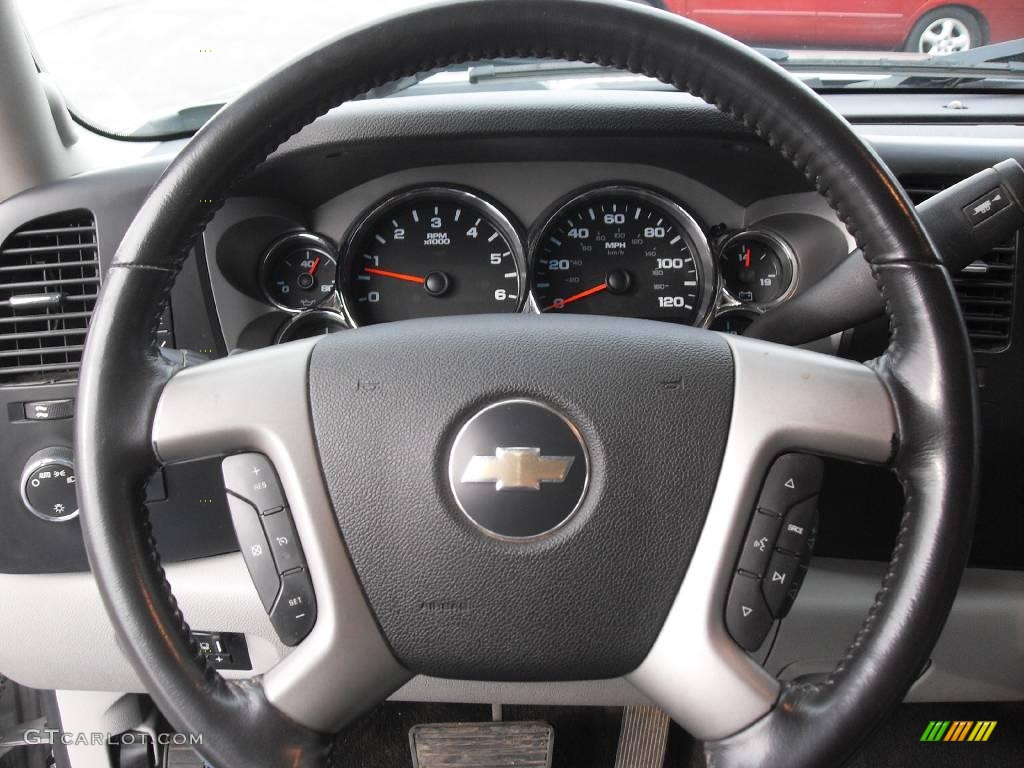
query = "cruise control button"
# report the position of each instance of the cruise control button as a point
(295, 612)
(284, 542)
(798, 528)
(255, 550)
(792, 478)
(746, 614)
(251, 476)
(759, 543)
(778, 580)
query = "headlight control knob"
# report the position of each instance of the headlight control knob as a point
(48, 487)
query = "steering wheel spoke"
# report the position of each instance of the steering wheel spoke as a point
(259, 402)
(785, 400)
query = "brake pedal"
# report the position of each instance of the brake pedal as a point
(643, 738)
(482, 745)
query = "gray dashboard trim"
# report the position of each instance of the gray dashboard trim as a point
(979, 657)
(56, 633)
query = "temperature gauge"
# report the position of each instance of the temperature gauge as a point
(298, 272)
(758, 269)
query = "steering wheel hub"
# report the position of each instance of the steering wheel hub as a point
(537, 474)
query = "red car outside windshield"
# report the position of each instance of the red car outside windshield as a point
(928, 26)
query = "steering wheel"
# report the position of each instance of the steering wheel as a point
(630, 576)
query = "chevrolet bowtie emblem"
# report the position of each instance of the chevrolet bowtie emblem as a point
(517, 469)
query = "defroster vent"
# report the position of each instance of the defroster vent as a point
(49, 278)
(985, 287)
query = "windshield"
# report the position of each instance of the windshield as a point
(147, 68)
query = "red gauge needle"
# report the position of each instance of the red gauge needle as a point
(395, 275)
(559, 303)
(746, 259)
(312, 269)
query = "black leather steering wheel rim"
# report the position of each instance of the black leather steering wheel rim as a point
(927, 368)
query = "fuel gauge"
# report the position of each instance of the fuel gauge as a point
(758, 269)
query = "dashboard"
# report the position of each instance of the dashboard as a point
(646, 204)
(616, 249)
(603, 238)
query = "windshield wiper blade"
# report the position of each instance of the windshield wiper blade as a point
(1011, 53)
(999, 61)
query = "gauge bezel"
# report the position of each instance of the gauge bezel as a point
(301, 317)
(313, 242)
(503, 221)
(786, 254)
(707, 267)
(738, 310)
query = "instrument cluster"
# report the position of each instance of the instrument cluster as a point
(612, 250)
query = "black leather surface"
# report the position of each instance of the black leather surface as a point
(117, 397)
(927, 368)
(588, 600)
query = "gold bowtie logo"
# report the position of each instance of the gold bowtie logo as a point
(517, 469)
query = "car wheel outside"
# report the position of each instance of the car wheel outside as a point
(944, 31)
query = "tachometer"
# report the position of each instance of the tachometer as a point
(431, 252)
(624, 251)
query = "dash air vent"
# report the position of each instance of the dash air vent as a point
(986, 286)
(49, 277)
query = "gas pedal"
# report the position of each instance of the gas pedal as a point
(180, 756)
(482, 745)
(643, 738)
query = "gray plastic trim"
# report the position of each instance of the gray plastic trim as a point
(819, 404)
(56, 633)
(32, 150)
(260, 402)
(979, 656)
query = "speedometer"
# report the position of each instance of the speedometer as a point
(624, 251)
(431, 252)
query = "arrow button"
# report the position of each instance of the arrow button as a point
(746, 614)
(791, 479)
(781, 571)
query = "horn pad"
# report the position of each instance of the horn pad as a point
(606, 437)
